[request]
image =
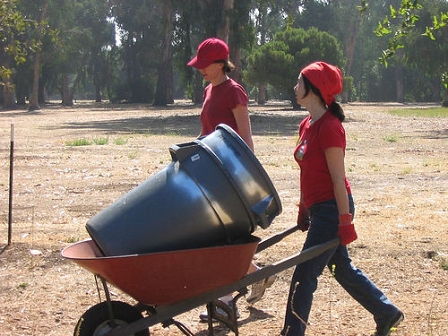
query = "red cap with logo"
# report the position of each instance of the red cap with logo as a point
(326, 77)
(210, 51)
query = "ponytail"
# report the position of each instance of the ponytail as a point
(337, 110)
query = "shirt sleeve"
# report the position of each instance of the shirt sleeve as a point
(332, 134)
(239, 96)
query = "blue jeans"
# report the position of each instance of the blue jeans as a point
(324, 227)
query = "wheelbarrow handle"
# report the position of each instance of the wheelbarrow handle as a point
(268, 242)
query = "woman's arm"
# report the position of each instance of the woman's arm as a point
(335, 162)
(241, 114)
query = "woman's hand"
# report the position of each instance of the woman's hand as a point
(303, 218)
(346, 231)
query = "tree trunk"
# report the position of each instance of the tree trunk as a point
(164, 90)
(198, 88)
(66, 96)
(97, 94)
(237, 75)
(223, 29)
(9, 101)
(262, 92)
(34, 97)
(350, 46)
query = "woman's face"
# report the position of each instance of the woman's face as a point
(212, 72)
(299, 89)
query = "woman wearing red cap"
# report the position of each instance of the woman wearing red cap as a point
(225, 101)
(326, 205)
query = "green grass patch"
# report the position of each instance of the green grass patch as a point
(121, 141)
(101, 141)
(444, 264)
(78, 142)
(391, 138)
(430, 112)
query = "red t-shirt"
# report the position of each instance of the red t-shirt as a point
(315, 179)
(219, 101)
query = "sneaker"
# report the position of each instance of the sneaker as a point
(219, 311)
(384, 329)
(259, 288)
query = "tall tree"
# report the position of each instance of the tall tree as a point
(97, 19)
(139, 23)
(12, 45)
(278, 62)
(269, 17)
(427, 57)
(34, 96)
(164, 89)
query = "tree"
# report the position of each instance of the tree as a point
(201, 19)
(349, 23)
(426, 57)
(141, 31)
(97, 19)
(13, 47)
(164, 90)
(34, 96)
(278, 62)
(405, 18)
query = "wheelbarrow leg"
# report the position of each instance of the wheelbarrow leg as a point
(107, 294)
(229, 318)
(210, 308)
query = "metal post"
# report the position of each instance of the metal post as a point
(11, 170)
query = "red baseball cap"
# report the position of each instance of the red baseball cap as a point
(210, 51)
(326, 77)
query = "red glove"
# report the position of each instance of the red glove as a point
(346, 230)
(303, 218)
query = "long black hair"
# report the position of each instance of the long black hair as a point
(334, 108)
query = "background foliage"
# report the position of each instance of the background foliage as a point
(136, 51)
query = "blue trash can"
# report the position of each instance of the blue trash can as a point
(214, 192)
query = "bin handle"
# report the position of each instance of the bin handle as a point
(259, 210)
(180, 151)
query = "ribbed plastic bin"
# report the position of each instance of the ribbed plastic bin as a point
(214, 192)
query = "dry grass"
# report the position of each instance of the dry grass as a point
(397, 166)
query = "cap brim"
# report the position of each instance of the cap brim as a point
(200, 63)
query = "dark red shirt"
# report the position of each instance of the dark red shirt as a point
(218, 103)
(315, 179)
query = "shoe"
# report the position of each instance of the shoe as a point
(384, 329)
(259, 288)
(220, 311)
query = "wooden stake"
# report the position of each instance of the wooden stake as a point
(11, 171)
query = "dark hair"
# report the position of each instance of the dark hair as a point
(334, 108)
(228, 66)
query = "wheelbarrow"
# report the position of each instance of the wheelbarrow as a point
(167, 284)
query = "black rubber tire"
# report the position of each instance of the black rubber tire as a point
(95, 321)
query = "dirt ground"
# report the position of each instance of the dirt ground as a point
(398, 167)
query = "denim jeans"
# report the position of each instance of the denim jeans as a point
(324, 227)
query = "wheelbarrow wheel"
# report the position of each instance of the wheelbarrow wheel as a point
(96, 320)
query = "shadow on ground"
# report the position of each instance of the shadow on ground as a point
(187, 125)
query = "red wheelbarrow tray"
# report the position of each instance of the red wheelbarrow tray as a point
(166, 277)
